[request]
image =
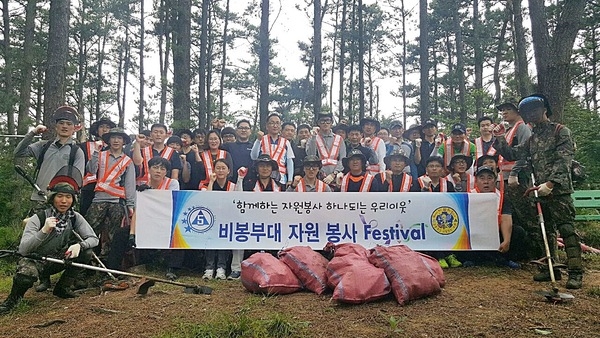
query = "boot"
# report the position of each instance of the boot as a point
(44, 285)
(544, 275)
(575, 280)
(20, 285)
(63, 287)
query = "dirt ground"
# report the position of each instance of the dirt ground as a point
(476, 302)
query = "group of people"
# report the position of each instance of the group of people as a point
(325, 158)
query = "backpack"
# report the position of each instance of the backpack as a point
(578, 173)
(45, 147)
(42, 216)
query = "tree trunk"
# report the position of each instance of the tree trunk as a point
(318, 58)
(100, 76)
(120, 108)
(342, 59)
(553, 55)
(126, 66)
(82, 61)
(56, 66)
(27, 70)
(361, 62)
(521, 69)
(142, 102)
(498, 59)
(164, 49)
(478, 55)
(263, 64)
(424, 60)
(223, 60)
(404, 54)
(181, 64)
(7, 72)
(202, 113)
(333, 54)
(460, 65)
(209, 65)
(352, 60)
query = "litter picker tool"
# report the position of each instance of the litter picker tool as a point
(554, 295)
(146, 281)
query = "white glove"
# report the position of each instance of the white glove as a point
(73, 251)
(426, 181)
(338, 179)
(438, 141)
(513, 180)
(302, 143)
(40, 128)
(544, 189)
(418, 142)
(49, 225)
(329, 178)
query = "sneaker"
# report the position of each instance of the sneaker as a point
(453, 261)
(443, 263)
(208, 274)
(575, 280)
(235, 275)
(513, 265)
(221, 274)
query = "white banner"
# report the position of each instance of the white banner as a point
(272, 221)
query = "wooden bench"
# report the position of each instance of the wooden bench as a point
(587, 199)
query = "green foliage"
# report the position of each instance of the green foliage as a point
(589, 233)
(394, 325)
(594, 291)
(14, 191)
(239, 326)
(583, 125)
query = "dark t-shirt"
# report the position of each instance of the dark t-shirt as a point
(240, 155)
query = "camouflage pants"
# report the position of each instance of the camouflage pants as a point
(524, 214)
(106, 219)
(33, 268)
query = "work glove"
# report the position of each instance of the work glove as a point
(426, 181)
(329, 178)
(388, 175)
(418, 142)
(339, 178)
(542, 189)
(242, 171)
(73, 251)
(49, 225)
(40, 129)
(513, 180)
(499, 130)
(131, 241)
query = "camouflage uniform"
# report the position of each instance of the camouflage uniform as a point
(106, 219)
(549, 151)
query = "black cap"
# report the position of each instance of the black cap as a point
(459, 127)
(312, 159)
(370, 120)
(104, 120)
(354, 153)
(410, 130)
(395, 124)
(66, 113)
(396, 153)
(485, 157)
(467, 159)
(508, 104)
(265, 158)
(429, 122)
(484, 169)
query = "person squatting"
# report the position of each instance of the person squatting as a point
(323, 158)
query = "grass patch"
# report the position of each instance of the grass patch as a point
(239, 326)
(594, 291)
(589, 232)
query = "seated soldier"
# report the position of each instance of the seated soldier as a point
(50, 233)
(357, 179)
(395, 179)
(433, 181)
(459, 176)
(309, 183)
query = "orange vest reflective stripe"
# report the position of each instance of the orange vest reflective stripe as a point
(479, 149)
(504, 164)
(91, 147)
(364, 187)
(277, 153)
(319, 186)
(373, 169)
(230, 187)
(164, 185)
(108, 176)
(209, 166)
(449, 151)
(443, 184)
(144, 177)
(258, 188)
(329, 157)
(405, 183)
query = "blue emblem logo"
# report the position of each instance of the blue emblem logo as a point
(199, 219)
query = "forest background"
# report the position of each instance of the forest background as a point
(184, 62)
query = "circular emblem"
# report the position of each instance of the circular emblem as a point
(200, 219)
(444, 220)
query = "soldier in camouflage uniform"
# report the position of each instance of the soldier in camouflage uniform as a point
(549, 151)
(50, 234)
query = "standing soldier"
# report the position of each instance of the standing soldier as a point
(115, 195)
(549, 150)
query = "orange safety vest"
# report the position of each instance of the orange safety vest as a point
(449, 150)
(479, 149)
(91, 147)
(108, 176)
(470, 182)
(443, 184)
(230, 187)
(209, 166)
(504, 164)
(319, 186)
(364, 187)
(147, 155)
(276, 154)
(329, 157)
(405, 183)
(373, 169)
(258, 188)
(164, 185)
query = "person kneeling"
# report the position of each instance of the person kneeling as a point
(50, 233)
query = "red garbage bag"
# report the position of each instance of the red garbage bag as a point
(354, 279)
(412, 274)
(263, 273)
(308, 265)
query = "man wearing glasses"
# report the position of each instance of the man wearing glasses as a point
(241, 148)
(328, 146)
(278, 148)
(309, 183)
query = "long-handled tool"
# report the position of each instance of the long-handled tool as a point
(28, 178)
(146, 281)
(554, 295)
